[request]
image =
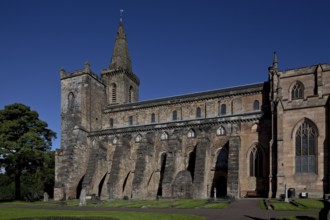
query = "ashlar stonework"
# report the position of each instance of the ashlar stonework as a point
(243, 141)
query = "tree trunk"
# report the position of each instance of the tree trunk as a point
(18, 186)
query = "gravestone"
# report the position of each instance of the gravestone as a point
(46, 197)
(82, 198)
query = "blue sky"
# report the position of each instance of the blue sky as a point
(176, 46)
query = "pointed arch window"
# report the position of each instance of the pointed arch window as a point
(191, 133)
(71, 100)
(305, 139)
(130, 94)
(115, 140)
(221, 131)
(297, 91)
(223, 110)
(174, 115)
(114, 93)
(198, 112)
(256, 161)
(164, 136)
(256, 105)
(153, 118)
(130, 120)
(138, 138)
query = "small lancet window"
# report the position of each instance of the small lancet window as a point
(297, 91)
(71, 101)
(198, 112)
(221, 131)
(130, 120)
(111, 122)
(138, 138)
(164, 136)
(223, 110)
(114, 93)
(174, 115)
(191, 133)
(256, 105)
(153, 118)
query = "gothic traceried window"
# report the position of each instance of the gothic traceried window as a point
(221, 131)
(164, 136)
(256, 105)
(297, 91)
(223, 109)
(305, 142)
(255, 159)
(114, 93)
(198, 112)
(191, 134)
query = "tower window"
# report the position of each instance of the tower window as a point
(174, 115)
(297, 91)
(111, 122)
(130, 94)
(130, 120)
(153, 118)
(114, 93)
(306, 149)
(256, 105)
(71, 101)
(223, 109)
(198, 112)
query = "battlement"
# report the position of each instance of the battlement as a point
(79, 72)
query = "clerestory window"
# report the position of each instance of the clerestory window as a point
(198, 112)
(297, 91)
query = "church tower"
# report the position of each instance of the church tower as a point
(122, 84)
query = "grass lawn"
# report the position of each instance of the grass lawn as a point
(163, 203)
(15, 213)
(313, 205)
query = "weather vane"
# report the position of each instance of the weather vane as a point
(121, 15)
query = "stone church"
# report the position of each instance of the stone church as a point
(251, 140)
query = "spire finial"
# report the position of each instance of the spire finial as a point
(275, 63)
(121, 15)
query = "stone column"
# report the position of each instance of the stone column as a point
(233, 166)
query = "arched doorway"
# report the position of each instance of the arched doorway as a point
(162, 171)
(101, 185)
(219, 184)
(191, 163)
(79, 187)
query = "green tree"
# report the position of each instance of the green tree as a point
(24, 141)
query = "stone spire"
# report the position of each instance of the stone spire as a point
(120, 56)
(275, 63)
